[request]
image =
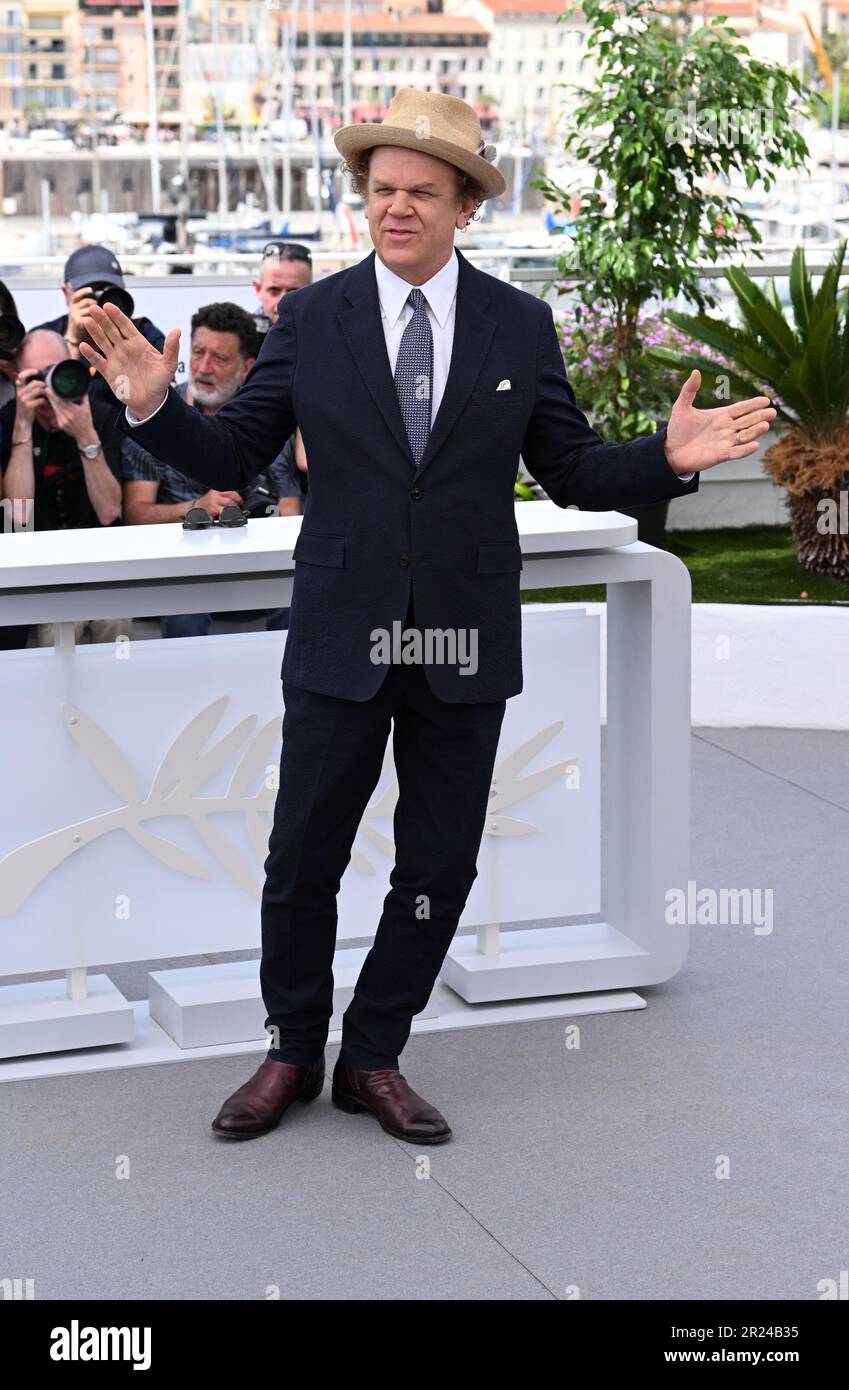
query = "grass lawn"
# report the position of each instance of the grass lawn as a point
(749, 564)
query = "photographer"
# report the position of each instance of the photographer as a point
(223, 350)
(285, 266)
(12, 334)
(52, 457)
(93, 275)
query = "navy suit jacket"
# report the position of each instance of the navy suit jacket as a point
(377, 524)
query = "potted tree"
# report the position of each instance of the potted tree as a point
(655, 126)
(804, 366)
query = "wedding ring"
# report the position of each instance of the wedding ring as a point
(737, 439)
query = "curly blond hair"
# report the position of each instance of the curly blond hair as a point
(356, 167)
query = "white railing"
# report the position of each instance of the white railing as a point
(525, 265)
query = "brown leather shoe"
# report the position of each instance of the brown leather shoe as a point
(260, 1104)
(385, 1094)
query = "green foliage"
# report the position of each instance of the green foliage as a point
(671, 113)
(595, 371)
(836, 47)
(745, 564)
(806, 363)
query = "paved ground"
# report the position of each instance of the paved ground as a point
(592, 1168)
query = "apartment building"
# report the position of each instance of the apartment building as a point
(532, 51)
(11, 63)
(39, 68)
(391, 48)
(113, 63)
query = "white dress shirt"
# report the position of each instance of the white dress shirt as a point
(440, 293)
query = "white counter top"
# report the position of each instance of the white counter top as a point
(121, 554)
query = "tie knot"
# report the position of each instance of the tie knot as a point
(417, 299)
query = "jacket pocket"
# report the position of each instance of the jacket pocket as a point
(515, 395)
(320, 550)
(499, 559)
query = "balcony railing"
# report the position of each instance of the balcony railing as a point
(530, 268)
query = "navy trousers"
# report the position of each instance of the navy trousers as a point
(331, 760)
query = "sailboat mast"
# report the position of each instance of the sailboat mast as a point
(152, 113)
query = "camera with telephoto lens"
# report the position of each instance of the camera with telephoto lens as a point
(69, 380)
(12, 334)
(113, 294)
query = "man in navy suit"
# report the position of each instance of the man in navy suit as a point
(417, 382)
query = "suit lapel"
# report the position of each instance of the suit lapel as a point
(473, 330)
(363, 329)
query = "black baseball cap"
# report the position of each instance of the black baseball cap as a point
(92, 265)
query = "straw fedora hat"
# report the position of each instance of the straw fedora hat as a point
(434, 123)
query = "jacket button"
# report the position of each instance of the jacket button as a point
(405, 559)
(415, 492)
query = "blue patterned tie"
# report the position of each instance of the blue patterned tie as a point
(414, 375)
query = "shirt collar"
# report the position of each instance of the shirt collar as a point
(439, 290)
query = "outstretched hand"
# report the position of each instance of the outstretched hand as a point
(699, 439)
(138, 374)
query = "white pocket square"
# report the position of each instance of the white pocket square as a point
(503, 385)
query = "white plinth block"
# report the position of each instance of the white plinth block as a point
(202, 1005)
(210, 1005)
(539, 963)
(38, 1017)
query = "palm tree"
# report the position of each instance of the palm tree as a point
(805, 367)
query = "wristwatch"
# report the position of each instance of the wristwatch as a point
(90, 451)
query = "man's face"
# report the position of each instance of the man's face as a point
(276, 278)
(216, 367)
(38, 356)
(412, 208)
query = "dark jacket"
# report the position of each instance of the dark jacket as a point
(378, 525)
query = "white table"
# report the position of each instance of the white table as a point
(136, 571)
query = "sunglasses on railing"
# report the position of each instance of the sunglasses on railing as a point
(198, 518)
(286, 251)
